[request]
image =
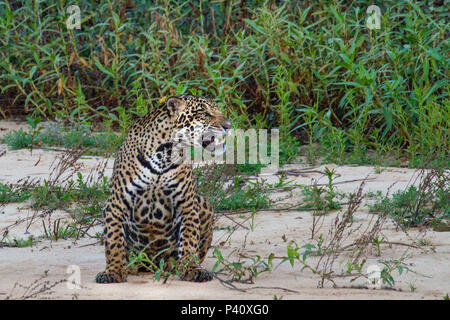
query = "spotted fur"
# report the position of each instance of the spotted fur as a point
(153, 204)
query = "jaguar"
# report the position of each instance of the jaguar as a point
(153, 204)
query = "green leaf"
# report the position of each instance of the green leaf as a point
(434, 53)
(215, 267)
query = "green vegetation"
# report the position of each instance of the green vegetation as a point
(88, 197)
(426, 204)
(253, 196)
(322, 199)
(60, 232)
(55, 134)
(312, 69)
(156, 264)
(11, 194)
(244, 271)
(46, 197)
(226, 189)
(18, 139)
(18, 242)
(332, 256)
(337, 91)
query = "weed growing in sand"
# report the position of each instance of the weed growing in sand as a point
(344, 250)
(163, 269)
(227, 190)
(252, 220)
(244, 271)
(17, 139)
(89, 198)
(55, 134)
(353, 268)
(57, 231)
(252, 196)
(19, 242)
(34, 130)
(322, 199)
(51, 197)
(140, 261)
(211, 178)
(377, 241)
(40, 288)
(282, 182)
(10, 193)
(427, 204)
(162, 266)
(65, 233)
(249, 169)
(389, 266)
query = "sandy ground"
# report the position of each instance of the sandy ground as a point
(429, 275)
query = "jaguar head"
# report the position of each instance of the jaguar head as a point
(199, 122)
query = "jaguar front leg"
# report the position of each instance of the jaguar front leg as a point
(115, 250)
(189, 246)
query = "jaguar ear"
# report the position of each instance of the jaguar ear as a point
(175, 105)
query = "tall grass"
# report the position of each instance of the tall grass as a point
(312, 68)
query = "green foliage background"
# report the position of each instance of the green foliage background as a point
(311, 68)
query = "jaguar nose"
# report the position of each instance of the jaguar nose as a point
(226, 125)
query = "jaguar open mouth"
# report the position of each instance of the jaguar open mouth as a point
(213, 142)
(208, 141)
